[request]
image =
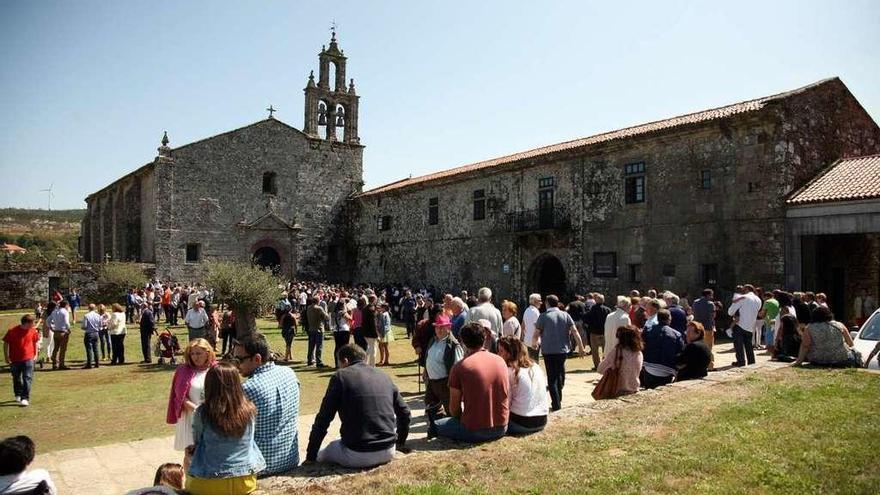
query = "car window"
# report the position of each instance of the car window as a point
(871, 328)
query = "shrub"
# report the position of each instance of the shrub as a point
(248, 290)
(114, 280)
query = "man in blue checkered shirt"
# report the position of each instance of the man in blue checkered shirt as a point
(275, 392)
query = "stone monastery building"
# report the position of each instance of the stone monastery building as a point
(782, 190)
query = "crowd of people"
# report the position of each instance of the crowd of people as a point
(479, 364)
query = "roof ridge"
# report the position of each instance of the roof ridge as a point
(261, 121)
(586, 140)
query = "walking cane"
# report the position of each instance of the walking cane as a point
(419, 364)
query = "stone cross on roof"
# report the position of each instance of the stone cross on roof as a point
(271, 110)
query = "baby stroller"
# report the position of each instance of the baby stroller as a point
(166, 346)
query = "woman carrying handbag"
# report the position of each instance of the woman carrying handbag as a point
(621, 367)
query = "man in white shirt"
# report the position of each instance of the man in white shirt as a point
(616, 319)
(748, 305)
(59, 323)
(530, 316)
(196, 319)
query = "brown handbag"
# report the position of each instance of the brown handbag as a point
(608, 385)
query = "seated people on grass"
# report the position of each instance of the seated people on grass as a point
(225, 458)
(693, 361)
(275, 392)
(826, 342)
(662, 345)
(479, 381)
(369, 407)
(628, 353)
(16, 454)
(529, 400)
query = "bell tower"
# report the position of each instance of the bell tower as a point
(331, 109)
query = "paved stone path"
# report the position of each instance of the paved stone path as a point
(117, 468)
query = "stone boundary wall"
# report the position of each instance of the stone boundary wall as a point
(23, 285)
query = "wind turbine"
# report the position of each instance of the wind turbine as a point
(51, 194)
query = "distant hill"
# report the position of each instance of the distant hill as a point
(44, 233)
(24, 215)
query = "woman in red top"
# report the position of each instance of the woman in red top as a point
(19, 351)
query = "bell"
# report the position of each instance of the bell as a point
(322, 118)
(340, 122)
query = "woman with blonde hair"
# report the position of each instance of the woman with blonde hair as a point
(116, 329)
(225, 457)
(188, 390)
(528, 397)
(511, 326)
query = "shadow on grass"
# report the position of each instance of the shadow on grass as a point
(154, 367)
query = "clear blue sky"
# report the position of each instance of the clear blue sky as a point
(86, 87)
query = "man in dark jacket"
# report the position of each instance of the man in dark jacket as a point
(369, 407)
(595, 319)
(662, 346)
(148, 328)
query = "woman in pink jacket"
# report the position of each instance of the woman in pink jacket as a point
(188, 390)
(628, 354)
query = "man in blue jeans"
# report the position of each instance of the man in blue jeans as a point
(91, 324)
(481, 383)
(19, 351)
(553, 333)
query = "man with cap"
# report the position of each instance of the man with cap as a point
(443, 351)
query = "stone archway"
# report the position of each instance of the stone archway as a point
(267, 258)
(547, 276)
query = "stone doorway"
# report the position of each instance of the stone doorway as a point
(267, 258)
(547, 276)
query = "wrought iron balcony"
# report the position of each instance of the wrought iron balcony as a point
(556, 218)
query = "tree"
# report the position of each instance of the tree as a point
(114, 280)
(248, 290)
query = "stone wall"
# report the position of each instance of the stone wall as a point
(681, 235)
(21, 287)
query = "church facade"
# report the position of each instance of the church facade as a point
(266, 192)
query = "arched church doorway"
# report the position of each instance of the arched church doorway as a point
(267, 258)
(547, 276)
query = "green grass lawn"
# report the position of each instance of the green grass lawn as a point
(797, 431)
(83, 408)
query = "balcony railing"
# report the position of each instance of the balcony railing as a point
(541, 219)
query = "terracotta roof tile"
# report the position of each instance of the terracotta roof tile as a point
(846, 179)
(691, 118)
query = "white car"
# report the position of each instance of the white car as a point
(867, 337)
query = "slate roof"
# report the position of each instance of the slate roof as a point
(846, 179)
(628, 132)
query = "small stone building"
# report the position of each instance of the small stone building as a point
(684, 203)
(265, 192)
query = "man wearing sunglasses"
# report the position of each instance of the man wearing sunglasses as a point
(275, 392)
